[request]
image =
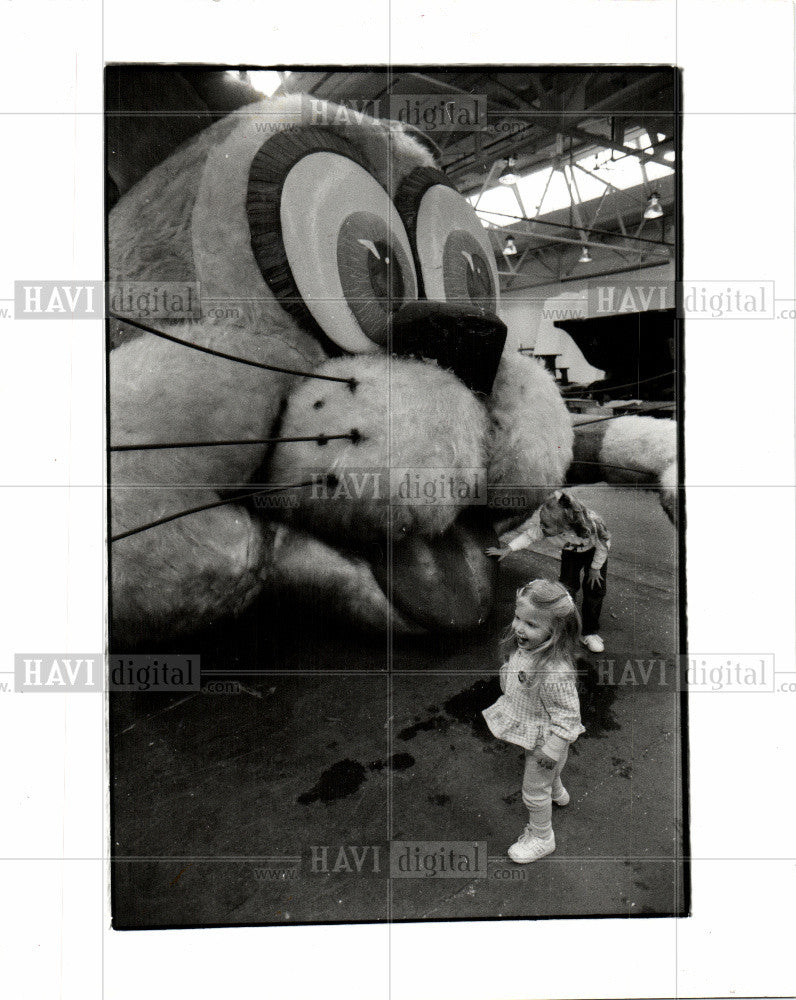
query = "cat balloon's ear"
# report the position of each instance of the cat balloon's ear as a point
(152, 111)
(564, 500)
(424, 139)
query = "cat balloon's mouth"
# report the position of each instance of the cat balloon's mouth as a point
(441, 583)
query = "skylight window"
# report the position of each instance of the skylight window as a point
(545, 190)
(266, 81)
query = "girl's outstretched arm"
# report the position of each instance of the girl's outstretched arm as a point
(525, 536)
(501, 552)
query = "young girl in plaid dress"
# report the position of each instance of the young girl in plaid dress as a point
(539, 709)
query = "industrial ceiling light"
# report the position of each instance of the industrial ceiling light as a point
(654, 209)
(509, 247)
(507, 175)
(585, 256)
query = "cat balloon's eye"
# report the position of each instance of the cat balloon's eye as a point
(457, 262)
(347, 248)
(375, 271)
(341, 260)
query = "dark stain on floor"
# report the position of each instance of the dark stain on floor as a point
(439, 800)
(346, 776)
(397, 762)
(436, 722)
(336, 782)
(467, 706)
(624, 770)
(596, 701)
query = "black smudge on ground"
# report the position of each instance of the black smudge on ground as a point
(346, 776)
(596, 701)
(466, 706)
(336, 782)
(437, 722)
(397, 762)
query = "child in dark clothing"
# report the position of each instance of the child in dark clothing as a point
(585, 544)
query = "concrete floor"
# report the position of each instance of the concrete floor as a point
(218, 799)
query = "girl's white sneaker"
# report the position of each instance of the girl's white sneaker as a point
(529, 847)
(593, 643)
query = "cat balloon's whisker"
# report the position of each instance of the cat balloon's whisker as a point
(606, 465)
(321, 439)
(617, 416)
(209, 506)
(350, 382)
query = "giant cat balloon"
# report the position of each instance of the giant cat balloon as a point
(328, 244)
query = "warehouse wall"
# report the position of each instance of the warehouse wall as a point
(530, 314)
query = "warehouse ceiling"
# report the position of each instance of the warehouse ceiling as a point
(584, 151)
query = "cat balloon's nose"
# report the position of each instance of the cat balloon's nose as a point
(463, 338)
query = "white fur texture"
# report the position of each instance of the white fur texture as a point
(412, 415)
(163, 392)
(178, 576)
(185, 574)
(186, 221)
(632, 449)
(531, 434)
(668, 491)
(642, 443)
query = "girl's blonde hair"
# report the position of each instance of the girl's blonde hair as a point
(566, 510)
(554, 600)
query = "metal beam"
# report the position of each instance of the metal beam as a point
(522, 102)
(516, 219)
(621, 191)
(645, 176)
(516, 271)
(439, 84)
(598, 209)
(595, 274)
(513, 230)
(494, 169)
(575, 206)
(602, 140)
(526, 137)
(616, 103)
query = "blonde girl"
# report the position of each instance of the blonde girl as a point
(539, 709)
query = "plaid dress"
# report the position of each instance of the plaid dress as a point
(536, 711)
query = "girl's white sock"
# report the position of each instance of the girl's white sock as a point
(543, 832)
